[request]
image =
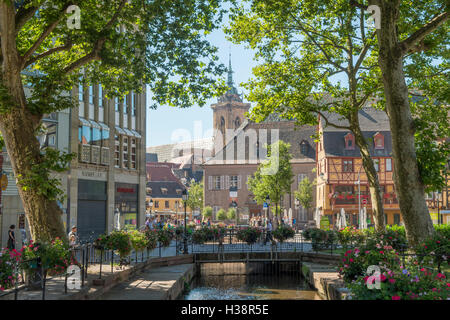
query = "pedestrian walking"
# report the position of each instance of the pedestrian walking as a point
(11, 238)
(73, 237)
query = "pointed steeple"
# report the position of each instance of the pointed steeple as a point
(230, 73)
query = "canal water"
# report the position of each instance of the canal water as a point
(254, 281)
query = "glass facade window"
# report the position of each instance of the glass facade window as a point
(125, 105)
(133, 104)
(80, 134)
(125, 152)
(91, 94)
(86, 135)
(116, 104)
(133, 153)
(100, 96)
(105, 137)
(117, 151)
(80, 92)
(96, 137)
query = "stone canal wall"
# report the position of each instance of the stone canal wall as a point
(325, 280)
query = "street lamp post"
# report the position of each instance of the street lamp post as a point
(184, 197)
(268, 207)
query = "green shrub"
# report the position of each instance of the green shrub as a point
(221, 215)
(207, 212)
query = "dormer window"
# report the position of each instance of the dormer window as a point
(349, 141)
(178, 191)
(164, 190)
(378, 140)
(304, 146)
(149, 190)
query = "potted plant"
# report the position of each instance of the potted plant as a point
(165, 237)
(152, 239)
(120, 242)
(249, 235)
(283, 233)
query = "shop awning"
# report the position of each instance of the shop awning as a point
(103, 125)
(95, 124)
(136, 134)
(128, 133)
(85, 122)
(120, 130)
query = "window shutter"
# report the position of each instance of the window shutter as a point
(239, 182)
(227, 182)
(210, 183)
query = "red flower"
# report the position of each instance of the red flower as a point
(396, 298)
(392, 280)
(382, 278)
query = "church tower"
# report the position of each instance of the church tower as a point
(229, 111)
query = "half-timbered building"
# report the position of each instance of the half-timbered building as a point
(339, 168)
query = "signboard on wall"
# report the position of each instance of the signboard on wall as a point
(324, 223)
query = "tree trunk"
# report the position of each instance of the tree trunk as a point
(409, 188)
(43, 215)
(17, 126)
(372, 177)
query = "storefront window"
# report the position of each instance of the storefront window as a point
(126, 202)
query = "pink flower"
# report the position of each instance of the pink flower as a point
(382, 252)
(396, 298)
(351, 260)
(438, 241)
(382, 277)
(392, 280)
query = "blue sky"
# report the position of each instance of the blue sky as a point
(164, 121)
